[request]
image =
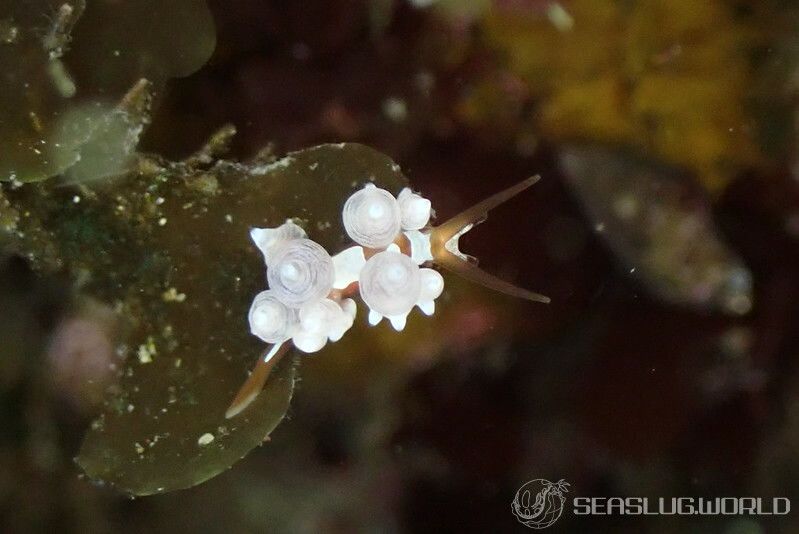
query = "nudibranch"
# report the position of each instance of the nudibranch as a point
(310, 297)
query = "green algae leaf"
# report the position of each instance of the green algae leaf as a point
(173, 253)
(156, 451)
(98, 141)
(119, 42)
(66, 64)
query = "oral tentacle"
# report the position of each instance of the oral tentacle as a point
(473, 273)
(444, 244)
(478, 213)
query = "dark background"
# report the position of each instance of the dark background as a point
(610, 387)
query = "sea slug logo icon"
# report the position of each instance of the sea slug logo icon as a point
(539, 503)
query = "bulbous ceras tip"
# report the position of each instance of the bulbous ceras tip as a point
(299, 271)
(415, 210)
(267, 238)
(323, 320)
(372, 217)
(271, 320)
(390, 284)
(432, 286)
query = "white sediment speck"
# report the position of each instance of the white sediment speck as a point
(172, 295)
(146, 352)
(205, 439)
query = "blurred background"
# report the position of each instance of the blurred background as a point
(665, 229)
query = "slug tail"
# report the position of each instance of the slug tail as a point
(473, 273)
(252, 387)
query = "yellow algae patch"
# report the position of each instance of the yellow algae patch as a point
(669, 77)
